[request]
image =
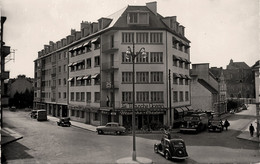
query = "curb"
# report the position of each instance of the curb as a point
(9, 133)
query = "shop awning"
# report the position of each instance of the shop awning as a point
(189, 108)
(184, 109)
(176, 57)
(75, 63)
(71, 64)
(95, 76)
(178, 110)
(175, 75)
(183, 76)
(71, 49)
(188, 77)
(80, 77)
(81, 61)
(96, 40)
(71, 78)
(87, 77)
(87, 44)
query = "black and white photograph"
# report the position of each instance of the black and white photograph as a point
(130, 81)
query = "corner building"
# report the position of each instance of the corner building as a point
(99, 76)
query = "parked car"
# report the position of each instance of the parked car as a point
(42, 115)
(34, 114)
(171, 148)
(13, 108)
(111, 127)
(64, 122)
(215, 124)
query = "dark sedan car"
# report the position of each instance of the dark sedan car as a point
(171, 148)
(215, 124)
(64, 122)
(111, 128)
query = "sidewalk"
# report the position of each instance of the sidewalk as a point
(8, 136)
(76, 124)
(246, 135)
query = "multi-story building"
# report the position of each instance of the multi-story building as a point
(240, 80)
(99, 74)
(208, 90)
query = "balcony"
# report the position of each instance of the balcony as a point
(108, 66)
(53, 87)
(110, 104)
(53, 75)
(110, 47)
(108, 85)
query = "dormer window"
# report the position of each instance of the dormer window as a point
(138, 17)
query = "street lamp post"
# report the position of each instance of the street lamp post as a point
(130, 53)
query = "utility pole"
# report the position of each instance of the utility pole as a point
(170, 97)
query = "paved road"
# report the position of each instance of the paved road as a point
(45, 142)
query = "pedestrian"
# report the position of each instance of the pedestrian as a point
(226, 124)
(221, 123)
(251, 129)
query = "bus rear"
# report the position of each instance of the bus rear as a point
(41, 115)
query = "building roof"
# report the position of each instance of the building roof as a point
(237, 65)
(207, 86)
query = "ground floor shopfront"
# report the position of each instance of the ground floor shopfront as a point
(53, 109)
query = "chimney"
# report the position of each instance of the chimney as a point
(152, 6)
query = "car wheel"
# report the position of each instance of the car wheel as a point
(100, 131)
(155, 149)
(167, 155)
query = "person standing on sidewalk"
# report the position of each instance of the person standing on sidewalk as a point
(226, 124)
(251, 129)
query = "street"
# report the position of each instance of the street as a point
(45, 142)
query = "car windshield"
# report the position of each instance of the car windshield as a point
(177, 143)
(191, 118)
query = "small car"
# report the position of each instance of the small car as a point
(13, 108)
(64, 122)
(171, 148)
(215, 124)
(34, 114)
(112, 128)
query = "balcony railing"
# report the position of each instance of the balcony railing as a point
(109, 47)
(110, 66)
(109, 85)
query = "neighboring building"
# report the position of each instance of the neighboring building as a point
(240, 80)
(5, 51)
(88, 77)
(256, 70)
(207, 90)
(19, 85)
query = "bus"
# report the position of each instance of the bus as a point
(41, 115)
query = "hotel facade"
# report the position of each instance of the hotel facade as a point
(87, 76)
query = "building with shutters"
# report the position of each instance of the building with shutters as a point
(88, 77)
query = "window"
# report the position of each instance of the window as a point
(175, 63)
(133, 17)
(175, 96)
(156, 77)
(97, 96)
(89, 63)
(142, 37)
(174, 42)
(59, 69)
(97, 61)
(88, 81)
(186, 65)
(77, 113)
(181, 81)
(72, 112)
(142, 77)
(65, 68)
(127, 96)
(186, 96)
(88, 94)
(64, 81)
(71, 96)
(141, 59)
(138, 18)
(157, 96)
(181, 96)
(180, 64)
(175, 80)
(77, 96)
(142, 96)
(186, 81)
(59, 94)
(82, 96)
(64, 95)
(127, 77)
(124, 59)
(127, 37)
(82, 114)
(156, 57)
(155, 37)
(95, 116)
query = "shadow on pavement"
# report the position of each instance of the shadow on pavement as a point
(14, 151)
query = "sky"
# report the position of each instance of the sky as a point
(219, 30)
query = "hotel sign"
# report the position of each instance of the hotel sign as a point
(142, 105)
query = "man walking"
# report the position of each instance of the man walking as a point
(251, 129)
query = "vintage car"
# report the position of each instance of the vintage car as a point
(64, 122)
(111, 128)
(33, 114)
(171, 148)
(215, 124)
(13, 108)
(195, 122)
